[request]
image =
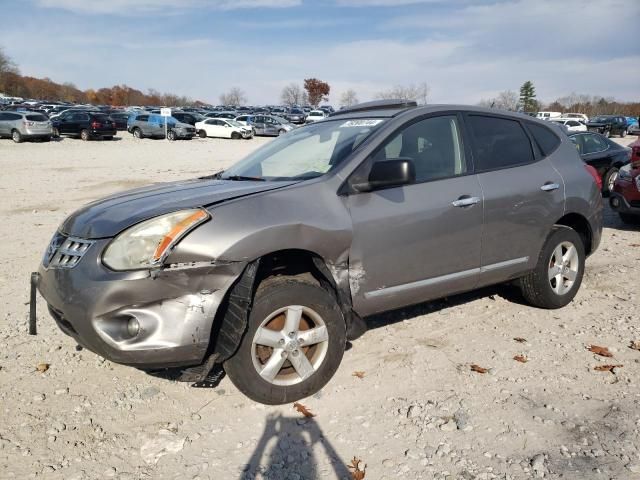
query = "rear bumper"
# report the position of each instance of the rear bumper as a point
(174, 307)
(103, 133)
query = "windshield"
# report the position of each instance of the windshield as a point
(305, 153)
(280, 120)
(316, 114)
(234, 123)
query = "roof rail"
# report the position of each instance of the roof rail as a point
(377, 105)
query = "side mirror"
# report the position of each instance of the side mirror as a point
(389, 173)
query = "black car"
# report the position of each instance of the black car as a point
(187, 117)
(120, 120)
(86, 125)
(605, 155)
(609, 125)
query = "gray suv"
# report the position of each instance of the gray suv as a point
(271, 266)
(25, 125)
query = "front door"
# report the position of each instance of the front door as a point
(420, 241)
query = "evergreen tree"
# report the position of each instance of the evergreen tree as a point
(528, 97)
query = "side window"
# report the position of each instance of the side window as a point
(573, 123)
(142, 118)
(577, 141)
(545, 138)
(210, 122)
(433, 144)
(593, 144)
(3, 116)
(499, 143)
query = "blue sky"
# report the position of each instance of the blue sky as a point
(464, 50)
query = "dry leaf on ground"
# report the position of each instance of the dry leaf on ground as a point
(520, 339)
(42, 367)
(358, 374)
(521, 358)
(303, 410)
(602, 351)
(356, 473)
(606, 368)
(478, 369)
(635, 244)
(635, 345)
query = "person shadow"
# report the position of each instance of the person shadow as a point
(292, 455)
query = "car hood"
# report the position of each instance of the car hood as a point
(109, 216)
(598, 124)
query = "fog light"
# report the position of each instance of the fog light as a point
(133, 327)
(615, 202)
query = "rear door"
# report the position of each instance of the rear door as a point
(4, 124)
(523, 195)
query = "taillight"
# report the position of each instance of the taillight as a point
(596, 176)
(96, 125)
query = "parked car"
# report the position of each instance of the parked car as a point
(609, 125)
(223, 128)
(84, 124)
(296, 115)
(270, 125)
(188, 117)
(245, 120)
(278, 112)
(571, 124)
(270, 266)
(632, 123)
(625, 198)
(151, 125)
(230, 115)
(25, 125)
(578, 116)
(120, 120)
(548, 115)
(605, 155)
(316, 116)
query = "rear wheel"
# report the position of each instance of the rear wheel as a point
(609, 180)
(236, 136)
(137, 133)
(171, 135)
(294, 342)
(84, 135)
(281, 132)
(202, 134)
(16, 136)
(623, 133)
(555, 280)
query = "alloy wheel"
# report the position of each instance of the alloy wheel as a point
(564, 265)
(290, 345)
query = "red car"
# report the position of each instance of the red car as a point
(625, 198)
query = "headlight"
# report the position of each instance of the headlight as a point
(624, 175)
(148, 243)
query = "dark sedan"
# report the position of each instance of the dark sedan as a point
(296, 115)
(609, 125)
(605, 155)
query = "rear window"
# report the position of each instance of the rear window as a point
(37, 118)
(545, 138)
(499, 143)
(101, 118)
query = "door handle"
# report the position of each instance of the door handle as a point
(548, 187)
(465, 201)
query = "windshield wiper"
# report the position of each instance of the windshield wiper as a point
(243, 178)
(216, 175)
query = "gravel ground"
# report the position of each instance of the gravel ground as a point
(418, 412)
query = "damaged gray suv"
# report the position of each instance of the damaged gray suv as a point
(271, 266)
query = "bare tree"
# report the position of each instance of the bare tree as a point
(418, 93)
(506, 100)
(235, 96)
(348, 98)
(293, 94)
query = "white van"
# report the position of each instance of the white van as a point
(548, 115)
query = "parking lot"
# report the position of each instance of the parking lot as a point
(405, 400)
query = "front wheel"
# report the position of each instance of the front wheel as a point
(137, 133)
(171, 135)
(555, 280)
(281, 132)
(202, 134)
(294, 342)
(609, 180)
(623, 133)
(236, 136)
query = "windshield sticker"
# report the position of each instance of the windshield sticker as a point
(360, 123)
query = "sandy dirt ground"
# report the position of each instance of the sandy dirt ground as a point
(419, 412)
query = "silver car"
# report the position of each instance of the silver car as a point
(269, 125)
(25, 125)
(272, 265)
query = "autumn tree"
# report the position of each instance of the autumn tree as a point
(235, 97)
(528, 97)
(293, 94)
(348, 98)
(317, 90)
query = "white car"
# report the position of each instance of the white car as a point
(572, 124)
(315, 116)
(223, 128)
(581, 117)
(548, 115)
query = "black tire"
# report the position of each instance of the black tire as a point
(607, 133)
(629, 219)
(85, 136)
(281, 132)
(623, 133)
(609, 179)
(537, 288)
(46, 139)
(16, 136)
(273, 294)
(202, 134)
(137, 133)
(171, 136)
(236, 136)
(108, 137)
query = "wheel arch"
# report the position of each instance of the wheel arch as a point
(581, 225)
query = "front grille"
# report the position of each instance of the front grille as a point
(65, 252)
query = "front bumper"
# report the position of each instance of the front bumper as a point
(620, 204)
(175, 308)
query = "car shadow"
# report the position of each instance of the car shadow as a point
(294, 440)
(612, 220)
